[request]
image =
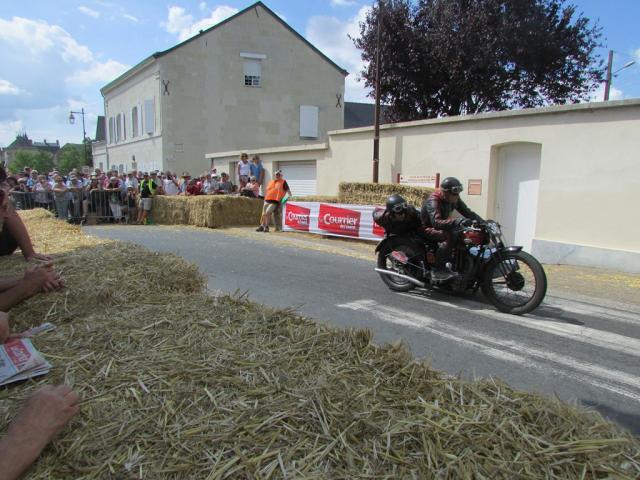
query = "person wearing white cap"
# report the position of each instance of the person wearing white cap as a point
(276, 191)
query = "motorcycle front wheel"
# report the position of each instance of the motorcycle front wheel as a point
(515, 283)
(385, 262)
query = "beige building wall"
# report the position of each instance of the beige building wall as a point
(145, 148)
(210, 109)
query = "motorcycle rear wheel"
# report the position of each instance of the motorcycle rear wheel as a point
(386, 263)
(515, 284)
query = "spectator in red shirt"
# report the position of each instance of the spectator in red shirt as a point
(193, 188)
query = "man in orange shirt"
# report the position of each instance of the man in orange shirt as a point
(275, 192)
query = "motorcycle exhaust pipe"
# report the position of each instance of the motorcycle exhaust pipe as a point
(399, 275)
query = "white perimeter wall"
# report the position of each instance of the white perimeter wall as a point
(589, 171)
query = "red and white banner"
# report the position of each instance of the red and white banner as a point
(354, 221)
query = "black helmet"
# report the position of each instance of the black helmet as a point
(396, 203)
(451, 185)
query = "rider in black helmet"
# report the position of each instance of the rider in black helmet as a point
(398, 217)
(441, 226)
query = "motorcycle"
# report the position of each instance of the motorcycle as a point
(511, 279)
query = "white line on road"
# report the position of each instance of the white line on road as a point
(509, 351)
(578, 333)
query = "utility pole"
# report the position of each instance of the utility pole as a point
(376, 117)
(607, 82)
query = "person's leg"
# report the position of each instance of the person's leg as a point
(267, 215)
(277, 218)
(260, 228)
(44, 415)
(8, 243)
(443, 253)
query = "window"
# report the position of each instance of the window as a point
(308, 121)
(118, 129)
(149, 118)
(124, 126)
(252, 73)
(134, 121)
(111, 130)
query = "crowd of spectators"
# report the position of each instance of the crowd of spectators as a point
(123, 197)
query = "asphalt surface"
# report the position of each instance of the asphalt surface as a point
(576, 347)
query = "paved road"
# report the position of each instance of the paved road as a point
(577, 350)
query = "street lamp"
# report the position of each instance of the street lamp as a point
(610, 74)
(72, 120)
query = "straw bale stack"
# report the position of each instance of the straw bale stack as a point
(377, 193)
(170, 210)
(213, 211)
(178, 384)
(98, 273)
(217, 211)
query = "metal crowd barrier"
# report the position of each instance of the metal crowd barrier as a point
(96, 206)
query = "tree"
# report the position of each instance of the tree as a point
(454, 57)
(37, 160)
(71, 156)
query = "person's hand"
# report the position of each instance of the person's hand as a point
(5, 330)
(43, 278)
(38, 257)
(45, 414)
(466, 222)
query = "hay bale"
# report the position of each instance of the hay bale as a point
(178, 384)
(170, 210)
(377, 193)
(96, 272)
(215, 211)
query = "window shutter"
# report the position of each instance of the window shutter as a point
(252, 68)
(134, 122)
(149, 119)
(124, 126)
(308, 121)
(118, 129)
(110, 129)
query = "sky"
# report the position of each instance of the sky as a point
(56, 55)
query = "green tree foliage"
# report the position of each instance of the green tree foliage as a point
(71, 156)
(40, 161)
(454, 57)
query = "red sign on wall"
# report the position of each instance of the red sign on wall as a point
(341, 221)
(298, 217)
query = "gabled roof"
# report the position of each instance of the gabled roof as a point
(100, 129)
(23, 141)
(362, 114)
(150, 59)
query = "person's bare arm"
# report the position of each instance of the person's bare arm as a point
(5, 329)
(8, 282)
(43, 416)
(41, 278)
(18, 230)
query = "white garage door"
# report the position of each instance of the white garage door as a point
(301, 177)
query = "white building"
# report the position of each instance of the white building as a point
(249, 81)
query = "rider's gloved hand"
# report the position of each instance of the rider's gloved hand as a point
(466, 222)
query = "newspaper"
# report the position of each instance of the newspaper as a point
(20, 360)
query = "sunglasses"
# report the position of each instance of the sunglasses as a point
(455, 190)
(399, 208)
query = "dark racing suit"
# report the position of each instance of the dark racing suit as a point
(391, 223)
(435, 215)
